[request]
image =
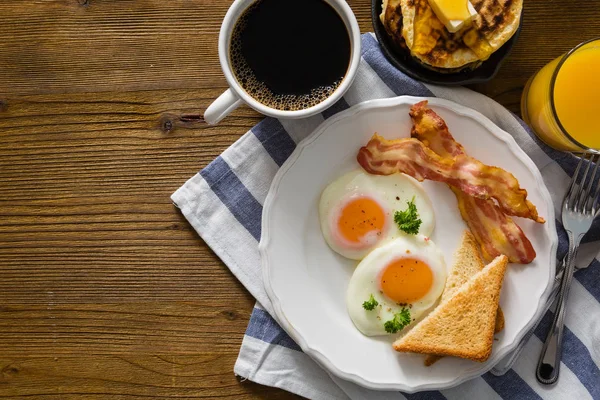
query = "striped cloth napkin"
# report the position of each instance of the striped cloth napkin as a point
(224, 205)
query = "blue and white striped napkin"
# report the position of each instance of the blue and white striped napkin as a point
(224, 204)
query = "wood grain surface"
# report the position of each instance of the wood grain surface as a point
(105, 290)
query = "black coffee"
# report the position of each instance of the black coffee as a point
(290, 54)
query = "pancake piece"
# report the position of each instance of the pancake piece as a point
(497, 20)
(391, 18)
(384, 5)
(430, 42)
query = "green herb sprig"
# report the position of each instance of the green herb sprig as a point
(408, 220)
(399, 321)
(370, 304)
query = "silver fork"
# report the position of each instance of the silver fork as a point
(579, 209)
(508, 361)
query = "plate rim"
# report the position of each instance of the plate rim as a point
(265, 239)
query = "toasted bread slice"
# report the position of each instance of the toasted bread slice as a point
(462, 326)
(467, 262)
(499, 320)
(432, 359)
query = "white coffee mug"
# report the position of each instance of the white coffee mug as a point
(236, 95)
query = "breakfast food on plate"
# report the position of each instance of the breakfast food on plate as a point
(463, 325)
(467, 263)
(357, 211)
(395, 284)
(450, 35)
(382, 216)
(495, 231)
(486, 195)
(384, 157)
(388, 220)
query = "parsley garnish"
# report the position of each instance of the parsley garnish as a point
(399, 321)
(370, 304)
(408, 220)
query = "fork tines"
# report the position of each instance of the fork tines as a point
(583, 184)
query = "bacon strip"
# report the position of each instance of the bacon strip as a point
(432, 130)
(495, 232)
(385, 157)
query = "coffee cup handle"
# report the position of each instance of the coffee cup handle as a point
(221, 107)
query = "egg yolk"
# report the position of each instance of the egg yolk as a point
(360, 217)
(406, 280)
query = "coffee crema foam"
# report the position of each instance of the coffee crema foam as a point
(259, 90)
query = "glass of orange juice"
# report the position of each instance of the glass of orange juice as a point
(561, 102)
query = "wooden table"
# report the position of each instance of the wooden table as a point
(105, 290)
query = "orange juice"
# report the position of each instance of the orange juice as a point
(562, 101)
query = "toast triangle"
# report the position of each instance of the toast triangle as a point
(463, 325)
(467, 263)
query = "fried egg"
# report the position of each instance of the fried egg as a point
(357, 211)
(407, 272)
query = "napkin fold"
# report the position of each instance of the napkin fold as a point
(223, 202)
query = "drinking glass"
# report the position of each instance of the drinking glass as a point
(561, 102)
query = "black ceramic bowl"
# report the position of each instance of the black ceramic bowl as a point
(402, 59)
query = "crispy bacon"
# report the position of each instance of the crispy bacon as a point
(385, 157)
(495, 232)
(432, 130)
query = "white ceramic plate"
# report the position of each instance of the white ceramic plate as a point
(307, 281)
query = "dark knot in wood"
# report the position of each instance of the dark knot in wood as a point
(10, 370)
(3, 105)
(167, 126)
(230, 315)
(168, 122)
(192, 119)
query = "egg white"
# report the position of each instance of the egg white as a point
(392, 192)
(365, 282)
